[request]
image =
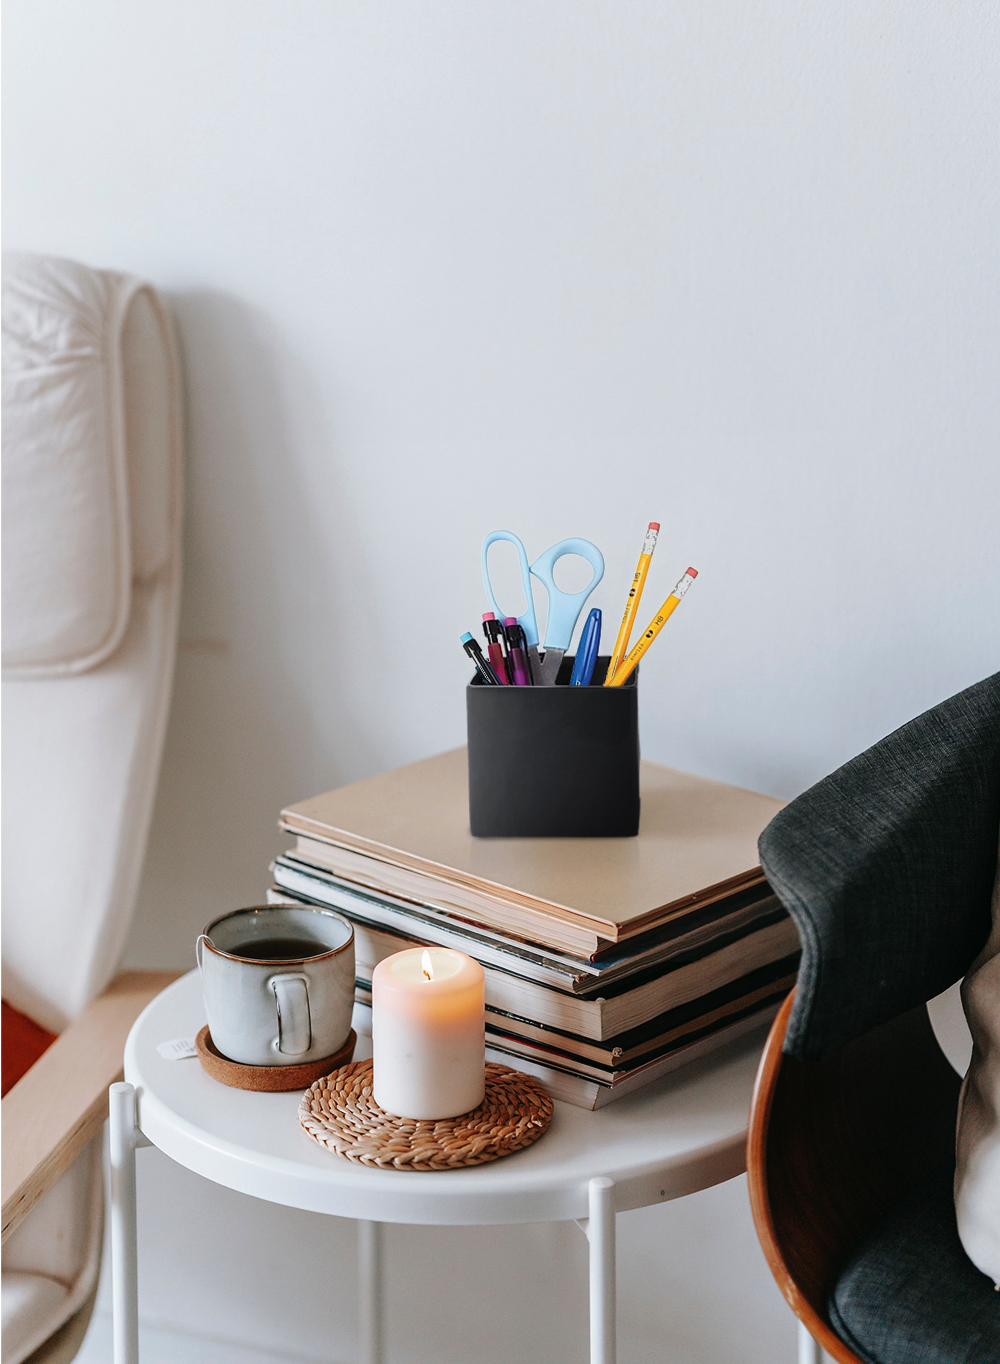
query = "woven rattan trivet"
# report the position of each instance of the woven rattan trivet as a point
(341, 1113)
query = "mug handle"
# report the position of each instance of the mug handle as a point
(291, 999)
(198, 950)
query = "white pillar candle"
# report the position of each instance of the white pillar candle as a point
(429, 1033)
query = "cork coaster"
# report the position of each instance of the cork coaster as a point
(267, 1079)
(340, 1112)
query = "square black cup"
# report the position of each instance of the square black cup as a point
(554, 762)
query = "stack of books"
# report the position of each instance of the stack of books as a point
(609, 961)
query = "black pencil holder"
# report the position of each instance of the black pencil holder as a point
(554, 762)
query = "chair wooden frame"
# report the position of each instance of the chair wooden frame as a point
(54, 1110)
(833, 1144)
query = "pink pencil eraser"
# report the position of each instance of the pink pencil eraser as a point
(488, 615)
(693, 572)
(654, 525)
(510, 620)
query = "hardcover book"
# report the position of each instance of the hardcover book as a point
(406, 833)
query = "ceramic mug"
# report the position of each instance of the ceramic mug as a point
(278, 982)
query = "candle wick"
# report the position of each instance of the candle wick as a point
(427, 974)
(427, 965)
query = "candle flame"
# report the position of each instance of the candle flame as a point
(427, 965)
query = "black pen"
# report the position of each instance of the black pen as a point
(493, 631)
(482, 667)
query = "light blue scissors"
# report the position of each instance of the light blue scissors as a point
(564, 607)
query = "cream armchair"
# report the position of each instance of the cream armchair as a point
(91, 585)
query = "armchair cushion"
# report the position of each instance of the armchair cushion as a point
(23, 1041)
(977, 1178)
(66, 523)
(92, 406)
(57, 1247)
(89, 489)
(911, 1293)
(30, 1303)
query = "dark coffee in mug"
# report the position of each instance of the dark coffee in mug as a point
(278, 982)
(277, 949)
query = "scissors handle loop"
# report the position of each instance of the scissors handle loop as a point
(527, 621)
(565, 607)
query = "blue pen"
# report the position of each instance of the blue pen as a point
(586, 651)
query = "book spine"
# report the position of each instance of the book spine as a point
(569, 1089)
(591, 979)
(600, 1020)
(586, 1093)
(566, 931)
(599, 1069)
(396, 918)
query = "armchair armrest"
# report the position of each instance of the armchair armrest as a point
(54, 1110)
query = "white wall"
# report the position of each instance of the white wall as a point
(440, 267)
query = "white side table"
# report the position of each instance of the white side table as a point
(684, 1133)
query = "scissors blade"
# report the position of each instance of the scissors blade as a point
(535, 666)
(550, 666)
(564, 607)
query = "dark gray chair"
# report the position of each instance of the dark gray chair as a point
(887, 868)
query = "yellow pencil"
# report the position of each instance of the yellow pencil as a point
(655, 626)
(634, 597)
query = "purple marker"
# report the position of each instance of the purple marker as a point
(516, 647)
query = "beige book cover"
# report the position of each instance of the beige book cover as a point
(697, 840)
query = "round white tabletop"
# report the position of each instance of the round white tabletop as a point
(682, 1133)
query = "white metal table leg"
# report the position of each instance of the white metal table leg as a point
(370, 1237)
(809, 1351)
(601, 1235)
(124, 1282)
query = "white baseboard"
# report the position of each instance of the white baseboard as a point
(159, 1346)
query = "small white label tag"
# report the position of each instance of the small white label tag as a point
(180, 1049)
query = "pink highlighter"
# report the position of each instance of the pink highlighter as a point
(514, 636)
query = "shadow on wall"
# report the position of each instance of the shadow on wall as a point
(257, 600)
